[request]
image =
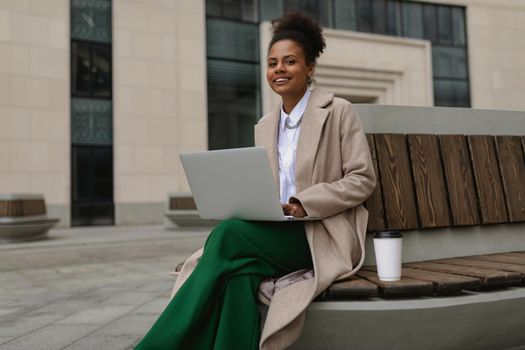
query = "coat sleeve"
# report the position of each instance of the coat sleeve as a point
(358, 182)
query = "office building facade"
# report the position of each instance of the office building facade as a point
(98, 97)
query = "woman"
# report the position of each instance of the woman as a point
(321, 159)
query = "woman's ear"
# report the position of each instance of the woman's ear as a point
(311, 70)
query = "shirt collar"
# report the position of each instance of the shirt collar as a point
(297, 111)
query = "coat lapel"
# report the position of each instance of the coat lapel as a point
(266, 134)
(311, 128)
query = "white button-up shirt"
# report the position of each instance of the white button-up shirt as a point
(287, 144)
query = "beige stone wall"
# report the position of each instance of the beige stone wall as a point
(496, 46)
(352, 68)
(34, 99)
(159, 96)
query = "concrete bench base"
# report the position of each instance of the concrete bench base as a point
(477, 320)
(24, 229)
(188, 218)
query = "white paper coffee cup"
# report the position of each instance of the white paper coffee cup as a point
(388, 249)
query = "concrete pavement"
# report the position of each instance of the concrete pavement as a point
(89, 288)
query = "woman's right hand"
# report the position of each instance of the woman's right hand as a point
(295, 209)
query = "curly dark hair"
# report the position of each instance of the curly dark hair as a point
(303, 30)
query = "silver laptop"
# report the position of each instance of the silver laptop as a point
(234, 183)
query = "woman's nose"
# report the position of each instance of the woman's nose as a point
(280, 68)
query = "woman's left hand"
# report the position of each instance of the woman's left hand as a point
(295, 209)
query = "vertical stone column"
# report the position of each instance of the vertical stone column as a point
(34, 101)
(159, 101)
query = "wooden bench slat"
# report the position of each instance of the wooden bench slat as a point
(500, 258)
(429, 181)
(465, 261)
(354, 287)
(404, 287)
(489, 278)
(396, 179)
(374, 204)
(444, 283)
(22, 207)
(512, 167)
(185, 203)
(33, 207)
(459, 179)
(10, 208)
(520, 254)
(488, 180)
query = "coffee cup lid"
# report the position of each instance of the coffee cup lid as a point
(388, 234)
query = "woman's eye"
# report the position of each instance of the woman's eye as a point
(271, 64)
(290, 62)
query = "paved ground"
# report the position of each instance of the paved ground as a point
(88, 288)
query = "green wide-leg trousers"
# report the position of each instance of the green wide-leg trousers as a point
(216, 308)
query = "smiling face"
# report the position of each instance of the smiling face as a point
(287, 71)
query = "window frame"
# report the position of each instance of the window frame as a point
(91, 93)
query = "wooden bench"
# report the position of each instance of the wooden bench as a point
(453, 181)
(182, 211)
(24, 217)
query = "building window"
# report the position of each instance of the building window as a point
(233, 51)
(92, 169)
(91, 121)
(91, 113)
(90, 70)
(233, 103)
(91, 20)
(233, 76)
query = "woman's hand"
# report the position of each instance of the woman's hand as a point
(295, 209)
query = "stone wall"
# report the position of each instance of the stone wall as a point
(34, 101)
(159, 100)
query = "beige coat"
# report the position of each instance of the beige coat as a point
(334, 175)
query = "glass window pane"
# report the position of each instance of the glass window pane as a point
(451, 93)
(91, 121)
(82, 191)
(249, 10)
(412, 20)
(444, 25)
(326, 15)
(271, 9)
(430, 21)
(80, 69)
(214, 8)
(82, 169)
(345, 14)
(458, 24)
(379, 16)
(101, 71)
(82, 173)
(91, 20)
(231, 9)
(393, 18)
(233, 103)
(103, 191)
(307, 7)
(449, 62)
(92, 173)
(103, 163)
(232, 40)
(364, 16)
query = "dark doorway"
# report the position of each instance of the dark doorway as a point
(92, 192)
